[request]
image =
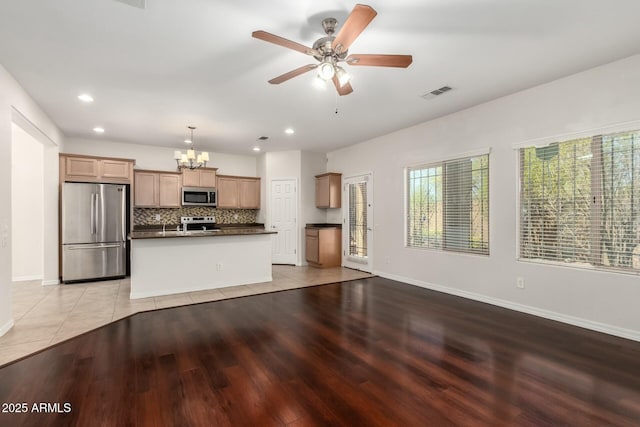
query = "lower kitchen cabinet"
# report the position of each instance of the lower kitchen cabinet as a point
(323, 246)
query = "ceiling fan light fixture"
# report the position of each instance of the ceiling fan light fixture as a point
(319, 83)
(343, 76)
(326, 70)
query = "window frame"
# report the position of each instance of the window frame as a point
(596, 135)
(440, 162)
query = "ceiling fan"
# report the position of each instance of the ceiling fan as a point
(332, 50)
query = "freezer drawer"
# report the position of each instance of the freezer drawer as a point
(93, 261)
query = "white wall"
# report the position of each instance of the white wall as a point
(312, 164)
(301, 166)
(280, 165)
(592, 99)
(158, 158)
(27, 206)
(17, 106)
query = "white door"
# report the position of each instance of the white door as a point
(357, 230)
(283, 220)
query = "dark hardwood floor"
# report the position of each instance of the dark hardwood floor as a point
(361, 353)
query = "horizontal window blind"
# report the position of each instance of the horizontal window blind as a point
(448, 205)
(580, 202)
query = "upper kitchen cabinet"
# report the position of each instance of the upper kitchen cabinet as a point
(78, 168)
(202, 177)
(145, 189)
(235, 192)
(249, 191)
(328, 190)
(157, 189)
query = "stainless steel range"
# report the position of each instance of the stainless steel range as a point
(199, 223)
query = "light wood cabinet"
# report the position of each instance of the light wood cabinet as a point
(157, 189)
(238, 192)
(79, 168)
(323, 246)
(203, 177)
(228, 196)
(169, 190)
(146, 189)
(328, 190)
(249, 193)
(117, 169)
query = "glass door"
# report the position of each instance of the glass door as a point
(357, 230)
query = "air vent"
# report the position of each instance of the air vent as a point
(434, 93)
(263, 138)
(140, 4)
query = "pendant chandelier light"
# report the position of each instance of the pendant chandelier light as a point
(190, 160)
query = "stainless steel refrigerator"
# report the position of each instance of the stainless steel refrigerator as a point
(94, 228)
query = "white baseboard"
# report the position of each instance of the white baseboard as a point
(5, 328)
(50, 282)
(547, 314)
(26, 278)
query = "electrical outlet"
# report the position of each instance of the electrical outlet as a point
(157, 217)
(520, 282)
(219, 266)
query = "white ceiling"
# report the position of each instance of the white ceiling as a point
(154, 71)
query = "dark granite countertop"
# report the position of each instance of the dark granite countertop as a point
(247, 225)
(172, 227)
(323, 225)
(197, 233)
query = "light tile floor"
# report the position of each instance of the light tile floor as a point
(46, 315)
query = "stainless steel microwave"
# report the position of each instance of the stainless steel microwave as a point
(196, 196)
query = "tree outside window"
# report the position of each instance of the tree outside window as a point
(580, 202)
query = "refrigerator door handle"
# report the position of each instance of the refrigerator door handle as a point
(124, 213)
(83, 247)
(93, 216)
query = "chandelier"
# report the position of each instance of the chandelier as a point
(190, 160)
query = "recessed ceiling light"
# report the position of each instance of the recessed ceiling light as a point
(85, 97)
(98, 129)
(188, 141)
(289, 131)
(256, 148)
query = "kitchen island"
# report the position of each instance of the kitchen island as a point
(170, 262)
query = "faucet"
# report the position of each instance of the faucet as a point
(163, 226)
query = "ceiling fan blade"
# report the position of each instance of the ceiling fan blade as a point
(402, 61)
(291, 74)
(346, 89)
(281, 41)
(356, 22)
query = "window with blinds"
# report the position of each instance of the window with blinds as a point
(448, 205)
(358, 219)
(580, 202)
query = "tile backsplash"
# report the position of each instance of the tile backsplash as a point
(147, 216)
